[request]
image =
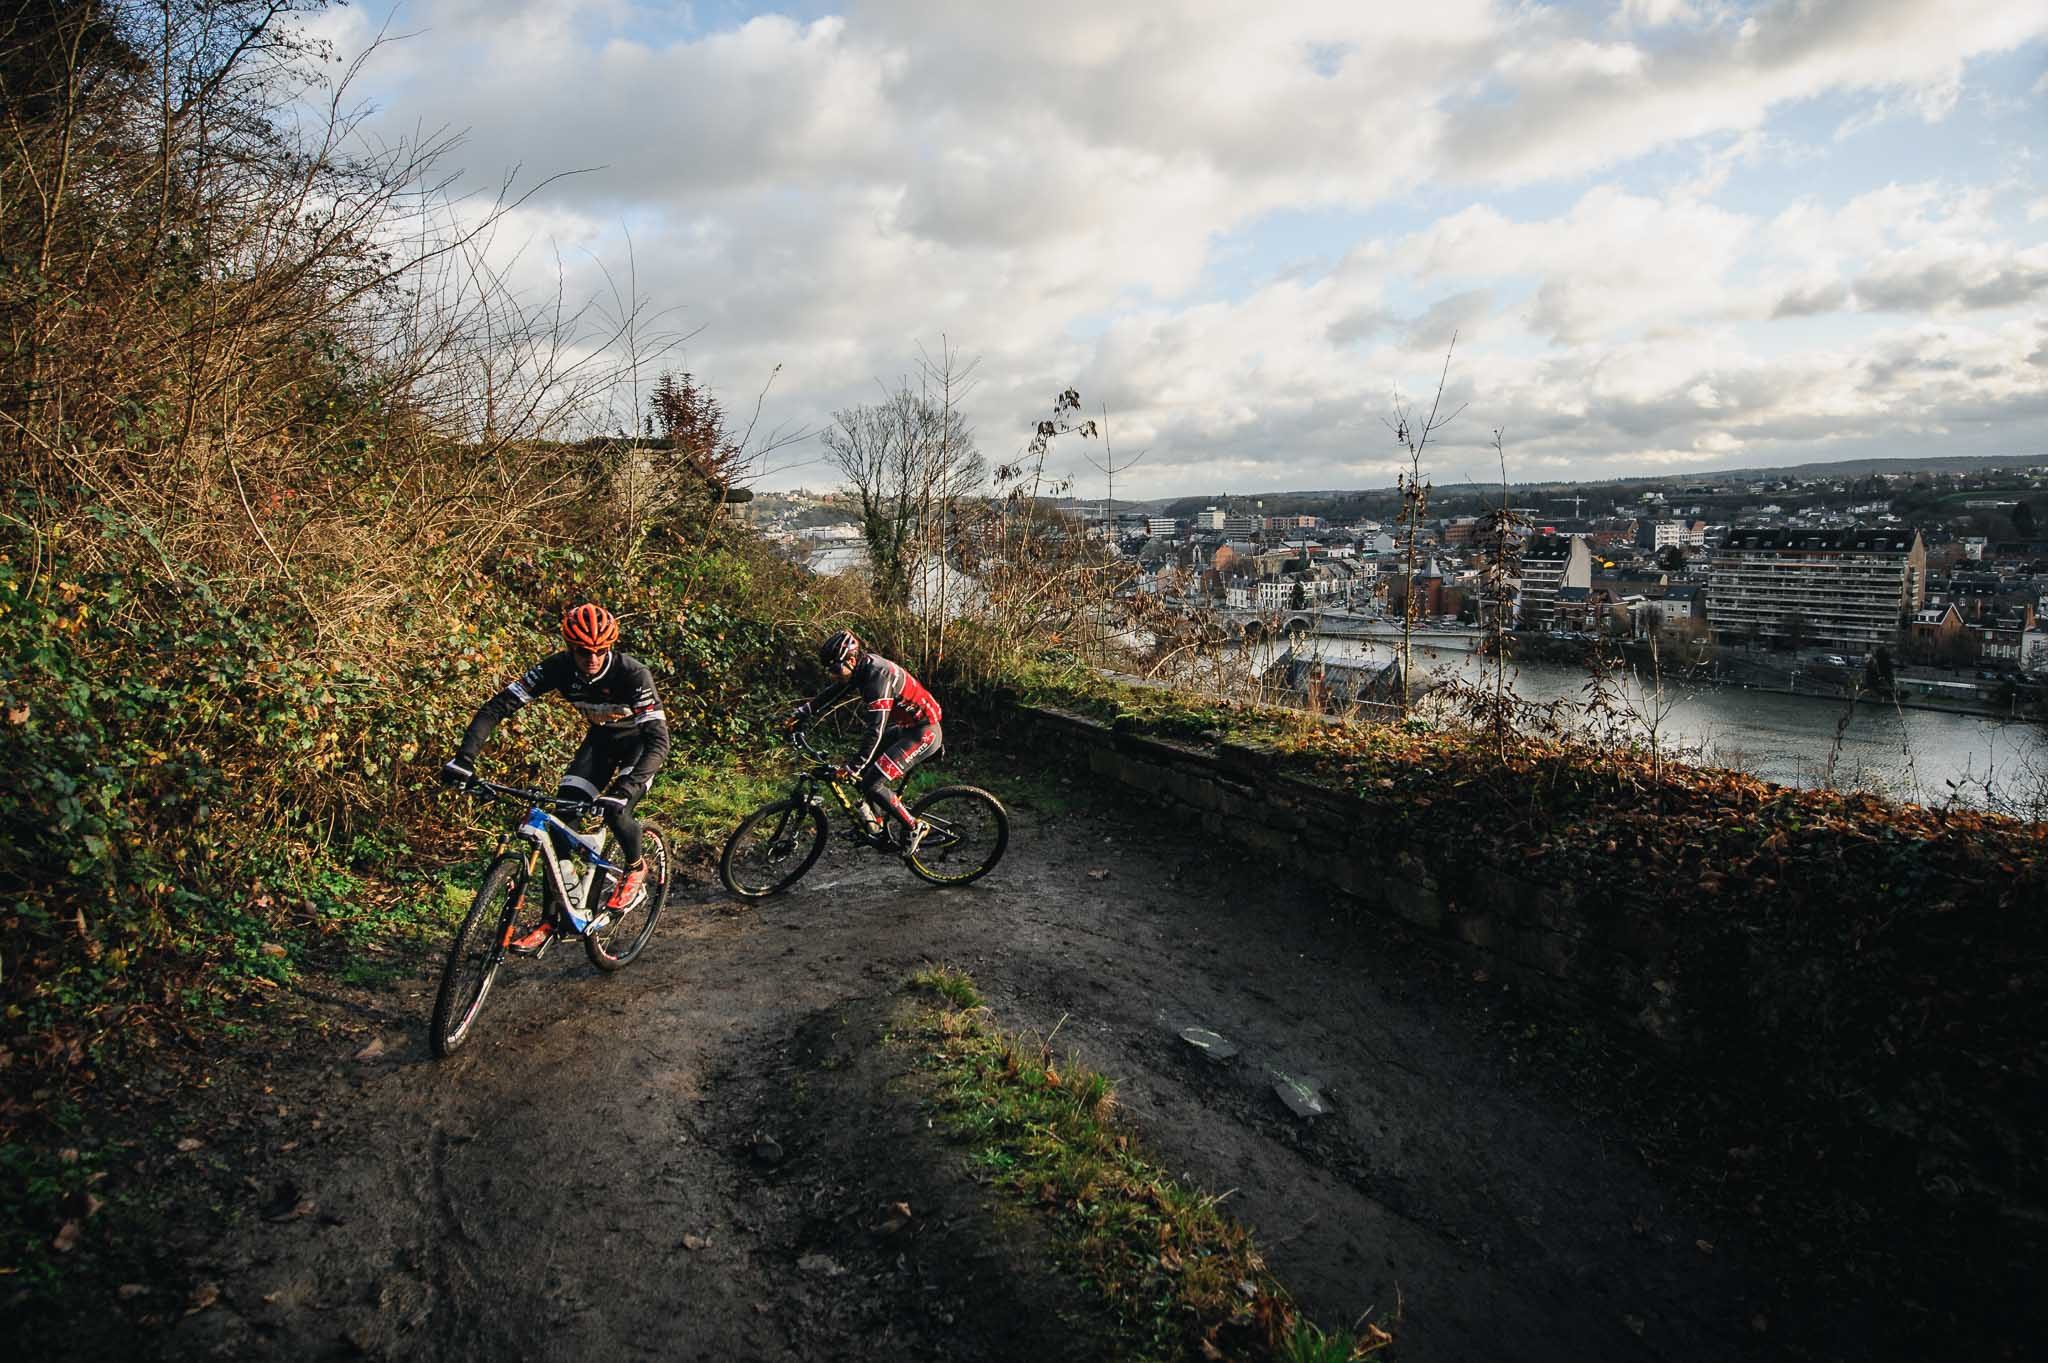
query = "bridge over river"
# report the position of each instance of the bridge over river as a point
(1346, 625)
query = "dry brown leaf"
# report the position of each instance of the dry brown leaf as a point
(67, 1237)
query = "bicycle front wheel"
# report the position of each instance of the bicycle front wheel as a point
(772, 848)
(476, 953)
(969, 831)
(617, 943)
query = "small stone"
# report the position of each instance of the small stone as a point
(1098, 873)
(1303, 1097)
(693, 1243)
(1209, 1044)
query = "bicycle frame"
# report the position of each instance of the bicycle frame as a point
(583, 846)
(807, 783)
(538, 829)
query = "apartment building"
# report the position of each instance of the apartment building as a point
(1551, 563)
(1662, 535)
(1847, 590)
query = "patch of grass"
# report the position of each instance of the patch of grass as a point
(700, 802)
(1176, 1276)
(954, 986)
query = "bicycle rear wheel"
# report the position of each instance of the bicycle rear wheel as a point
(969, 831)
(772, 848)
(476, 953)
(616, 944)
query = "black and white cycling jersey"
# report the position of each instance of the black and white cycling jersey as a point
(620, 701)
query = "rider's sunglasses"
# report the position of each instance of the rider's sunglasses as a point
(587, 657)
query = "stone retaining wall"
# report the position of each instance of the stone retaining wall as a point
(1540, 936)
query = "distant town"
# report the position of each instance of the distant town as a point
(1935, 582)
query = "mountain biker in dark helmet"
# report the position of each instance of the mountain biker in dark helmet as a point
(626, 745)
(903, 724)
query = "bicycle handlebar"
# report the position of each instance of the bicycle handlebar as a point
(483, 789)
(827, 769)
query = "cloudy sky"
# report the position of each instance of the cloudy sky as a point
(1668, 234)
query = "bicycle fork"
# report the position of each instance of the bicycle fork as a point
(519, 897)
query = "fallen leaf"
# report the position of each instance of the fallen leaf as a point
(67, 1237)
(189, 1144)
(17, 714)
(1704, 1246)
(203, 1296)
(695, 1242)
(130, 1291)
(372, 1051)
(1098, 873)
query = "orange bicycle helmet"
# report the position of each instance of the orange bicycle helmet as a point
(590, 626)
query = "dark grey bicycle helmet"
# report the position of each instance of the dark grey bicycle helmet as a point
(841, 646)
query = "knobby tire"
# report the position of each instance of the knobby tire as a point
(476, 953)
(784, 823)
(609, 949)
(970, 814)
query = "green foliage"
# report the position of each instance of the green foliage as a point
(202, 794)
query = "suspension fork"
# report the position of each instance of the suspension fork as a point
(519, 893)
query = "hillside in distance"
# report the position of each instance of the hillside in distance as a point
(1336, 503)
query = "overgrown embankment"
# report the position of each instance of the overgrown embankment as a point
(1840, 1001)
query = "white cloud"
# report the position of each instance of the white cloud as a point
(1048, 188)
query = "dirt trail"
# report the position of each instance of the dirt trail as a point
(692, 1159)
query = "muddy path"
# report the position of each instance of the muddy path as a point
(708, 1155)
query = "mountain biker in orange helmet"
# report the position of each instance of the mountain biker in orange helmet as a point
(626, 745)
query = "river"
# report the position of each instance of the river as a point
(1911, 755)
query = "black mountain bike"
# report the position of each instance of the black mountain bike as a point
(777, 843)
(574, 883)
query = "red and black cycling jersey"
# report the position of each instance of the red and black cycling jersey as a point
(620, 702)
(892, 696)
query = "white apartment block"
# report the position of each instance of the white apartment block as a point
(1842, 589)
(1550, 562)
(1162, 527)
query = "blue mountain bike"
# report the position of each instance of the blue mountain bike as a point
(569, 870)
